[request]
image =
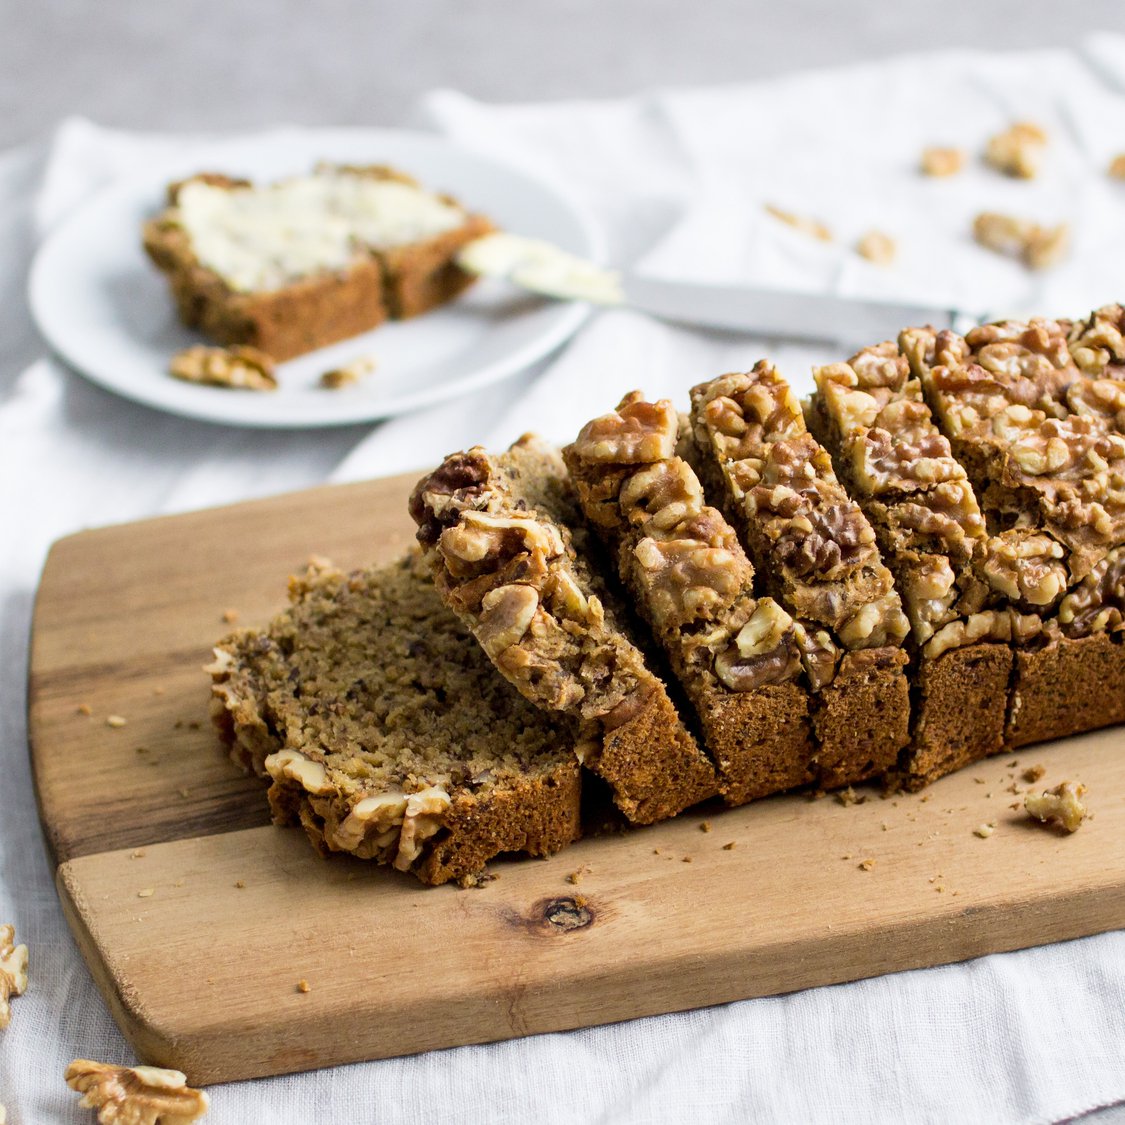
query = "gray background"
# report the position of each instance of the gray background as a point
(215, 63)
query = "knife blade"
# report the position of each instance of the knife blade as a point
(543, 268)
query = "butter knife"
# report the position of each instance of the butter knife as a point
(787, 314)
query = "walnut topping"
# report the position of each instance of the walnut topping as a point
(1097, 603)
(240, 368)
(877, 247)
(1025, 565)
(814, 228)
(438, 499)
(928, 593)
(941, 161)
(480, 540)
(880, 622)
(988, 625)
(1061, 806)
(662, 495)
(135, 1095)
(1038, 247)
(506, 615)
(13, 971)
(423, 818)
(1097, 342)
(763, 652)
(292, 765)
(636, 432)
(690, 579)
(819, 655)
(1018, 151)
(375, 818)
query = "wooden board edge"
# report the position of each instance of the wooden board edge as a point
(219, 1049)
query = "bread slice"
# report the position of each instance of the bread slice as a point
(735, 654)
(386, 732)
(499, 532)
(818, 557)
(1035, 411)
(293, 266)
(870, 414)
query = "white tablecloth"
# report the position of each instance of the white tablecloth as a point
(678, 178)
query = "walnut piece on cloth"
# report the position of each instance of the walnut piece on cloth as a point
(135, 1095)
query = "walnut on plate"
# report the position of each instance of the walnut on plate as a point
(1061, 806)
(13, 971)
(135, 1095)
(240, 368)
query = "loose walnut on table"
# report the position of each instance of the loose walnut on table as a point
(140, 1095)
(13, 971)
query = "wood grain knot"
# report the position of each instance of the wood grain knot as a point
(567, 913)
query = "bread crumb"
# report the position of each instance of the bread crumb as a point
(730, 847)
(137, 853)
(115, 721)
(239, 884)
(84, 709)
(194, 724)
(866, 864)
(655, 851)
(230, 616)
(940, 160)
(687, 859)
(814, 228)
(580, 900)
(148, 892)
(158, 690)
(849, 796)
(984, 830)
(182, 792)
(1034, 773)
(1016, 805)
(1061, 806)
(575, 877)
(303, 985)
(704, 826)
(142, 749)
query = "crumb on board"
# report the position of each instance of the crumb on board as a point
(230, 616)
(1061, 806)
(148, 892)
(1034, 773)
(984, 830)
(731, 846)
(239, 884)
(303, 985)
(687, 859)
(575, 876)
(866, 864)
(137, 853)
(84, 709)
(849, 796)
(704, 826)
(115, 721)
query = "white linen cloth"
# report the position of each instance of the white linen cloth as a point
(680, 176)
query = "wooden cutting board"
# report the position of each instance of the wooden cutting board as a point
(198, 919)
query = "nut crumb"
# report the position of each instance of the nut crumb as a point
(1062, 805)
(687, 859)
(704, 826)
(575, 877)
(135, 1095)
(731, 846)
(849, 796)
(581, 900)
(84, 709)
(877, 247)
(979, 780)
(158, 690)
(303, 985)
(866, 864)
(142, 749)
(230, 616)
(347, 375)
(814, 228)
(239, 368)
(655, 851)
(1116, 169)
(115, 721)
(183, 792)
(1037, 246)
(137, 853)
(240, 884)
(984, 830)
(1018, 151)
(1034, 773)
(13, 971)
(939, 160)
(148, 892)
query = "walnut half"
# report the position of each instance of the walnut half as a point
(135, 1095)
(1062, 805)
(13, 971)
(240, 368)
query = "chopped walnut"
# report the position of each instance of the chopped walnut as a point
(1038, 247)
(1018, 151)
(814, 228)
(1025, 565)
(984, 830)
(763, 652)
(1097, 603)
(239, 368)
(662, 495)
(347, 375)
(481, 540)
(987, 625)
(135, 1095)
(636, 432)
(506, 615)
(1097, 344)
(292, 765)
(877, 247)
(13, 971)
(940, 160)
(1061, 806)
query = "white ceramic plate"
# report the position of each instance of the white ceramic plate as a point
(107, 311)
